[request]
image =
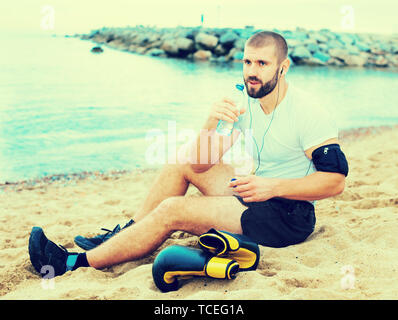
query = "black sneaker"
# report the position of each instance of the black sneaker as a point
(45, 253)
(90, 243)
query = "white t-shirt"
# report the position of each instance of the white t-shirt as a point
(296, 125)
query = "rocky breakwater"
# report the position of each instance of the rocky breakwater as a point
(318, 48)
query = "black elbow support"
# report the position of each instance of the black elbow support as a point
(330, 158)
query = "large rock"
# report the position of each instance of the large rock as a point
(202, 55)
(132, 48)
(318, 37)
(345, 39)
(362, 46)
(393, 59)
(185, 45)
(246, 33)
(220, 50)
(377, 50)
(99, 38)
(339, 53)
(335, 62)
(179, 47)
(170, 47)
(394, 48)
(293, 42)
(141, 39)
(206, 40)
(333, 44)
(385, 47)
(300, 53)
(313, 62)
(118, 44)
(323, 47)
(234, 54)
(328, 34)
(381, 61)
(228, 39)
(356, 61)
(323, 57)
(141, 50)
(298, 35)
(312, 47)
(156, 44)
(97, 50)
(238, 56)
(352, 50)
(185, 33)
(155, 52)
(240, 44)
(344, 56)
(308, 41)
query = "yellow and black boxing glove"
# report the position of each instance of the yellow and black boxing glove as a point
(234, 246)
(180, 262)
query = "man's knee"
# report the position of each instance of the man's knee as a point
(182, 168)
(174, 213)
(191, 175)
(169, 210)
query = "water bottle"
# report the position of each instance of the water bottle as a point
(224, 127)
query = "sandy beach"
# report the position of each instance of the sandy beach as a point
(352, 253)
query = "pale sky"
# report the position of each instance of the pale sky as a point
(79, 16)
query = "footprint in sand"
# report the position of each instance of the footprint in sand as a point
(322, 232)
(311, 261)
(67, 223)
(349, 195)
(112, 202)
(375, 203)
(267, 273)
(378, 156)
(303, 283)
(357, 183)
(372, 194)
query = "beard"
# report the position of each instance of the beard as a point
(264, 89)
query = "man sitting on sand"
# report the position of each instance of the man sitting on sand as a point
(298, 160)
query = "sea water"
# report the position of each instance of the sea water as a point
(64, 109)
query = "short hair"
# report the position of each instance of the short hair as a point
(265, 38)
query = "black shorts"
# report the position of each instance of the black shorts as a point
(278, 222)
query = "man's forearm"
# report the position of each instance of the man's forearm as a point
(202, 150)
(211, 146)
(317, 186)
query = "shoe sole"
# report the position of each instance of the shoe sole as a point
(35, 253)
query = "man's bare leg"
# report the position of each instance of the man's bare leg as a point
(174, 180)
(166, 210)
(192, 214)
